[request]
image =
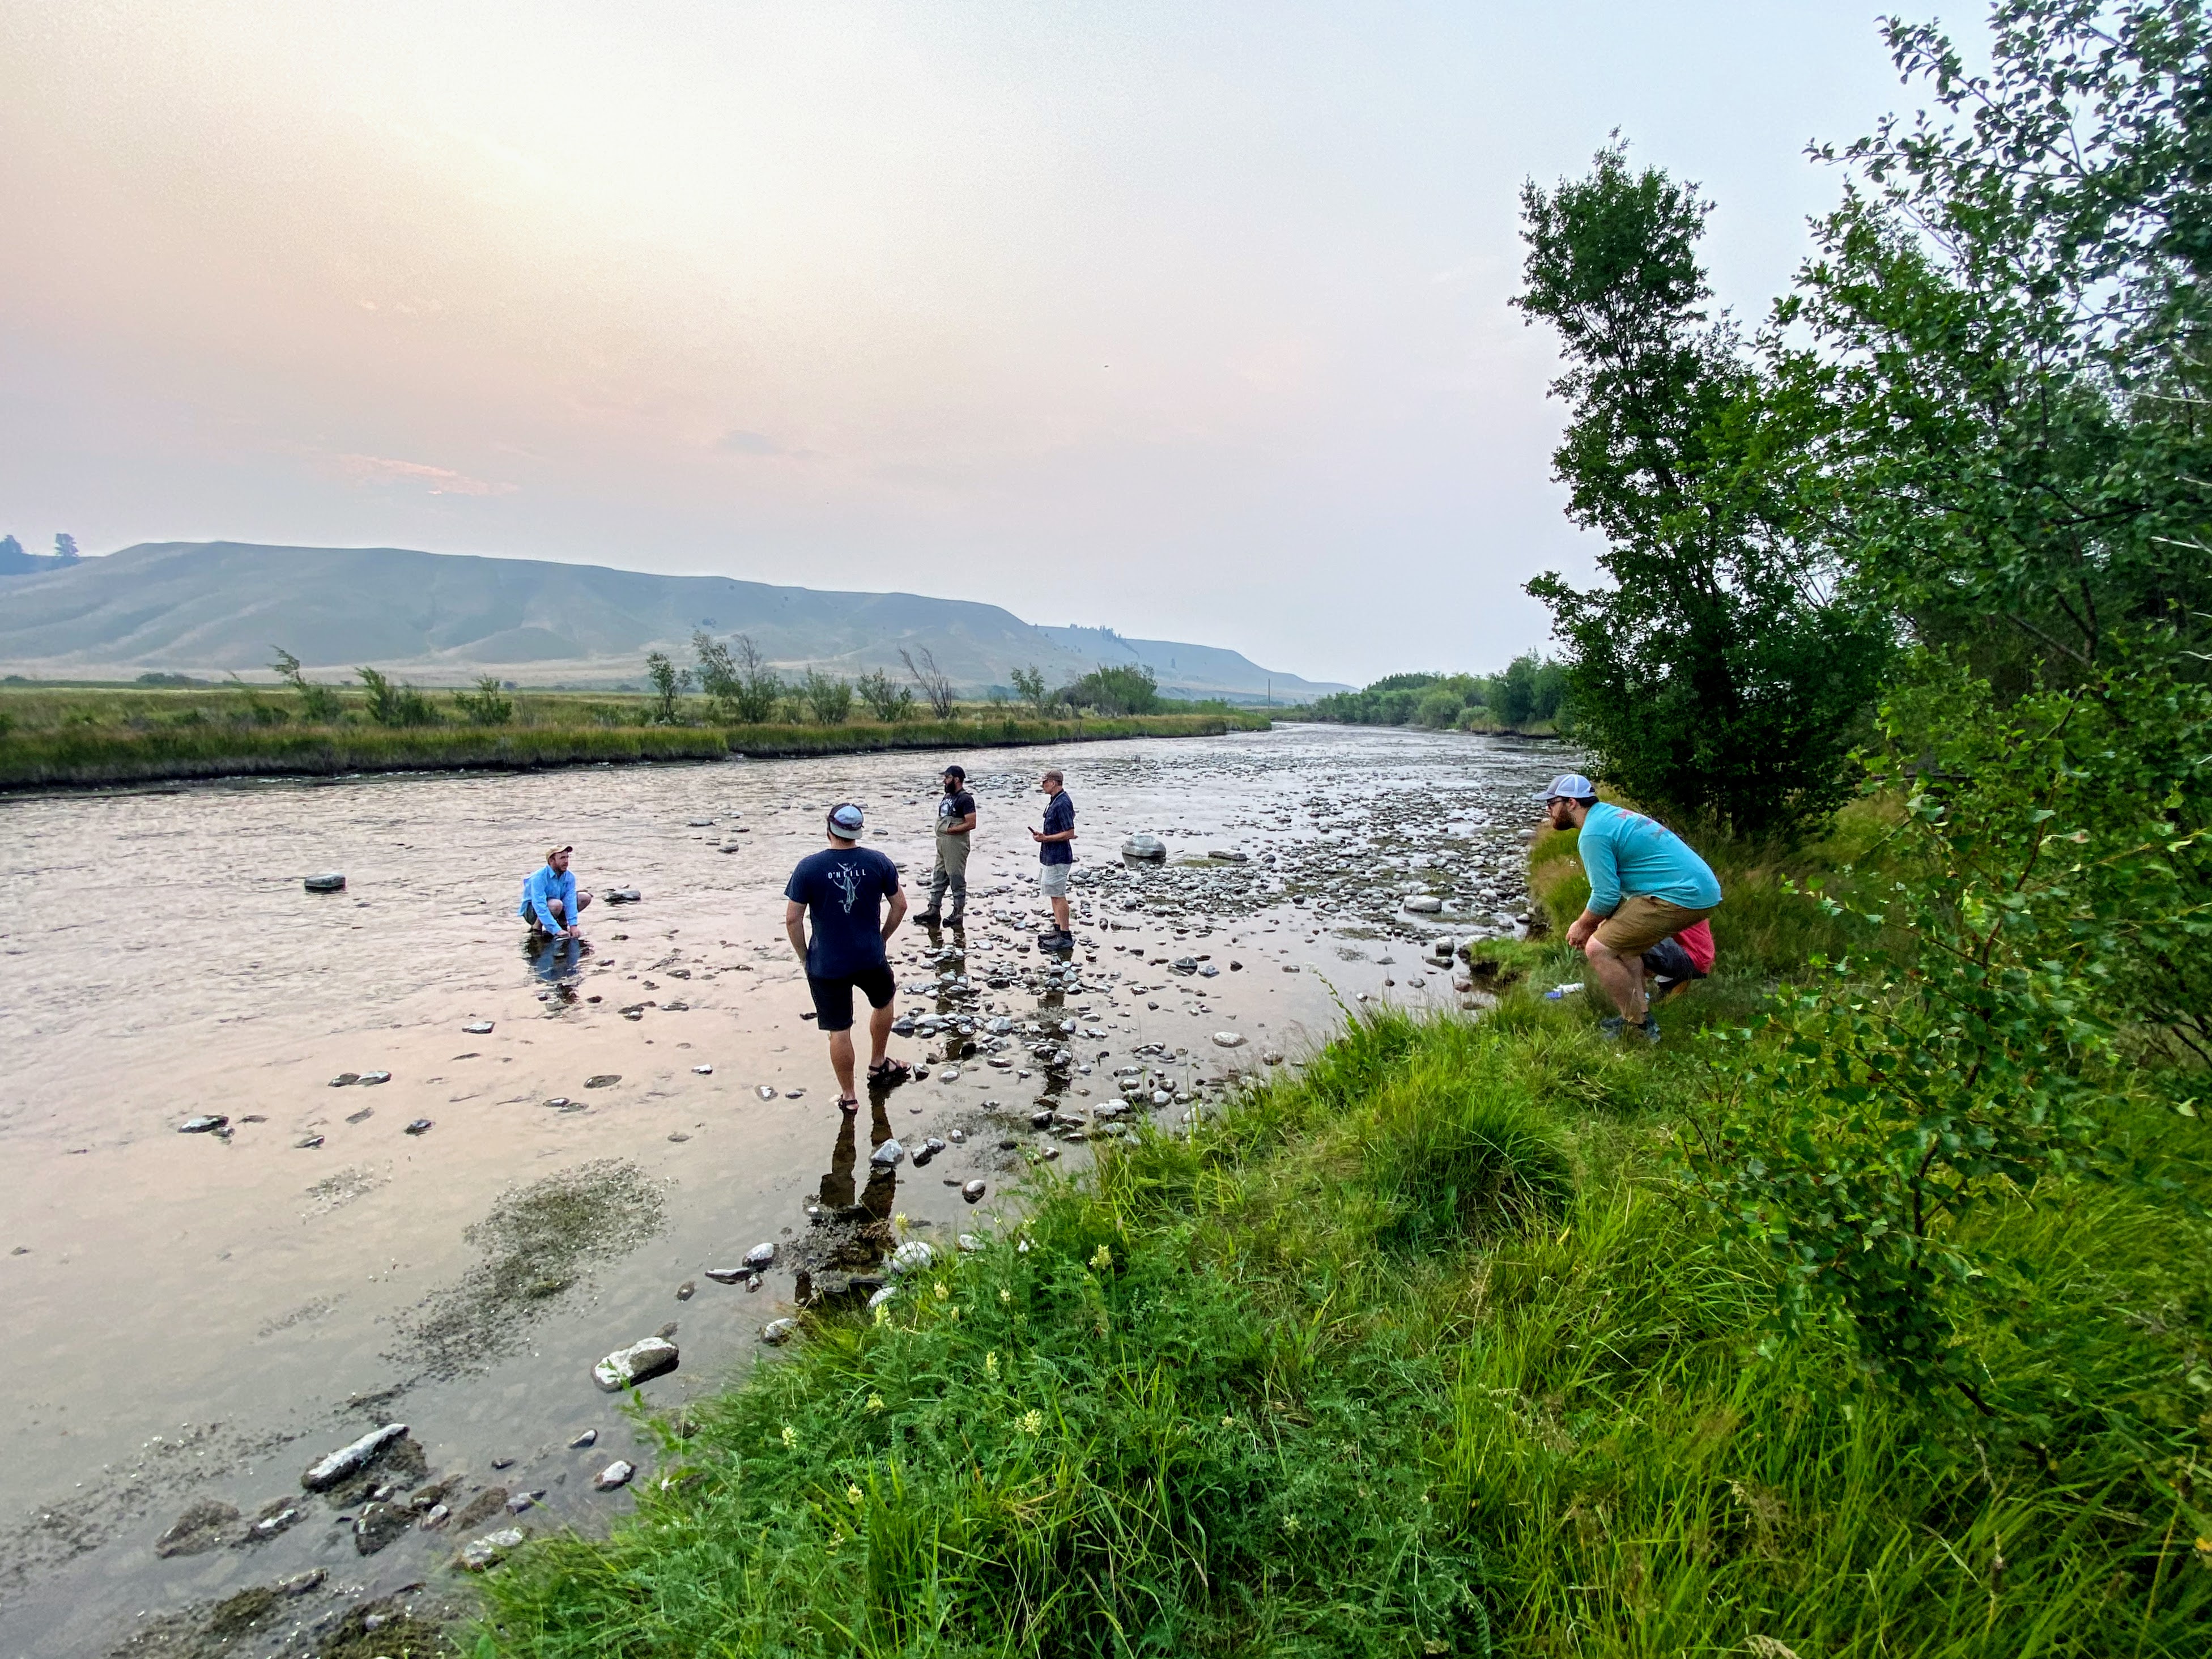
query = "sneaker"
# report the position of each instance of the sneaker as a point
(1649, 1027)
(1610, 1028)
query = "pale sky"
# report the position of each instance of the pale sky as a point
(1186, 319)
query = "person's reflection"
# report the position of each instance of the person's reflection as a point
(555, 960)
(874, 1202)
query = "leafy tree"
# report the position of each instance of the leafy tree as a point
(485, 705)
(1724, 673)
(934, 684)
(395, 703)
(668, 682)
(319, 705)
(64, 548)
(737, 679)
(1439, 709)
(1029, 684)
(1124, 688)
(886, 702)
(828, 699)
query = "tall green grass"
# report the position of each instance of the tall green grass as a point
(1424, 1351)
(67, 751)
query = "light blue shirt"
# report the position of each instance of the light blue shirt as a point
(546, 883)
(1625, 855)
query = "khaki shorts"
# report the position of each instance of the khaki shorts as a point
(1051, 879)
(1642, 921)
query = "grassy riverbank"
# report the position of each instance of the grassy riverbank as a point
(141, 737)
(1433, 1349)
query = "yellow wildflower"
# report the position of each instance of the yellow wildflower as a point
(1032, 1422)
(991, 1363)
(1006, 1296)
(790, 1438)
(852, 1494)
(1101, 1258)
(942, 1292)
(875, 1402)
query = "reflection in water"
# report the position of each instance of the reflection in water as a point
(555, 960)
(837, 1195)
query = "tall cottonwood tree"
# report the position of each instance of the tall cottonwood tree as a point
(1726, 672)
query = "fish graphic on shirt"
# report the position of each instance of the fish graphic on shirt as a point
(847, 880)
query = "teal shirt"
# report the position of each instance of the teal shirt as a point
(1626, 855)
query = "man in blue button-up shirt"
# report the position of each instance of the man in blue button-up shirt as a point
(550, 903)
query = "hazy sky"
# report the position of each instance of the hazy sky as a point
(1186, 318)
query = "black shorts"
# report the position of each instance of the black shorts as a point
(833, 998)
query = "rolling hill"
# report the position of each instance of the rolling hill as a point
(218, 607)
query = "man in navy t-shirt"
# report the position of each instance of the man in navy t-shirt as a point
(1055, 858)
(843, 888)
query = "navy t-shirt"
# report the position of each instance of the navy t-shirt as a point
(1059, 815)
(843, 889)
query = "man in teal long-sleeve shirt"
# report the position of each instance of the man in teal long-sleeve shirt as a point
(1645, 886)
(550, 903)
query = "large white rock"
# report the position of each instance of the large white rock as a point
(1228, 1040)
(641, 1362)
(327, 1472)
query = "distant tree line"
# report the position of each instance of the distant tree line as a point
(1529, 691)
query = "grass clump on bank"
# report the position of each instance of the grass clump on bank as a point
(1431, 1349)
(54, 738)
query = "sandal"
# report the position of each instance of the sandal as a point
(891, 1072)
(847, 1104)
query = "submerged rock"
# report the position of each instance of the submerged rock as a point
(617, 1474)
(378, 1524)
(777, 1331)
(887, 1156)
(326, 1472)
(641, 1362)
(421, 1126)
(973, 1191)
(479, 1554)
(760, 1255)
(199, 1529)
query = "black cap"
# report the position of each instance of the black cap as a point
(959, 772)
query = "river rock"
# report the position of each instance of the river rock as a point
(686, 1291)
(421, 1126)
(1226, 855)
(912, 1257)
(703, 1071)
(199, 1529)
(623, 896)
(479, 1554)
(1424, 904)
(603, 1080)
(344, 1077)
(368, 1078)
(777, 1331)
(641, 1362)
(1148, 848)
(481, 1508)
(760, 1255)
(329, 882)
(377, 1525)
(590, 1437)
(326, 1472)
(973, 1191)
(615, 1475)
(765, 1092)
(1228, 1040)
(887, 1156)
(205, 1123)
(728, 1275)
(478, 1028)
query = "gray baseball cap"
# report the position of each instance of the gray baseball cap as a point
(1570, 785)
(847, 818)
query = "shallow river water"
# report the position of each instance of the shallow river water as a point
(195, 1317)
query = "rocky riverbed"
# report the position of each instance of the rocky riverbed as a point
(442, 1178)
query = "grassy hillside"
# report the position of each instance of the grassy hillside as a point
(1434, 1348)
(78, 736)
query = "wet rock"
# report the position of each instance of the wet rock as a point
(480, 1554)
(887, 1156)
(635, 1010)
(481, 1508)
(344, 1078)
(686, 1291)
(703, 1071)
(950, 1075)
(280, 1516)
(590, 1437)
(623, 896)
(362, 1115)
(421, 1126)
(1228, 1040)
(205, 1123)
(604, 1080)
(331, 881)
(1147, 848)
(301, 1583)
(525, 1500)
(351, 1459)
(199, 1529)
(616, 1475)
(765, 1092)
(973, 1191)
(377, 1525)
(641, 1362)
(728, 1275)
(959, 1135)
(777, 1331)
(478, 1028)
(1424, 905)
(435, 1518)
(760, 1255)
(370, 1078)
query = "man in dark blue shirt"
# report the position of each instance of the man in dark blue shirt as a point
(1055, 858)
(843, 888)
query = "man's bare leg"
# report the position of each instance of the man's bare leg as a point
(1060, 914)
(840, 1061)
(880, 1042)
(1622, 978)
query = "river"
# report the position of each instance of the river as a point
(195, 1317)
